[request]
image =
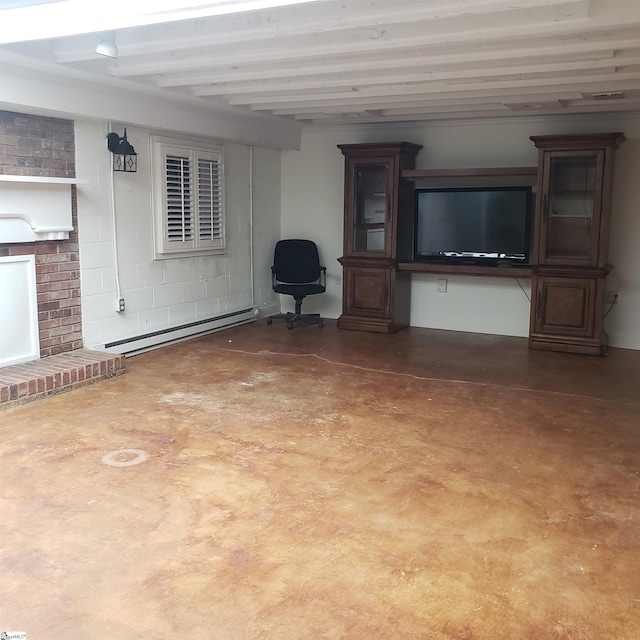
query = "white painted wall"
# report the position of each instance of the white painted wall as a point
(312, 206)
(116, 242)
(266, 180)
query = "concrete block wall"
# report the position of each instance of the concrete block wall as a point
(41, 146)
(116, 221)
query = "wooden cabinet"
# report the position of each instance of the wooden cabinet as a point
(567, 312)
(375, 297)
(378, 232)
(575, 175)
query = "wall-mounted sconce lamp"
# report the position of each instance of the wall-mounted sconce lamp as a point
(125, 157)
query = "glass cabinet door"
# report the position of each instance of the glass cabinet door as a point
(371, 207)
(571, 209)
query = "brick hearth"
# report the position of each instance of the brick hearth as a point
(23, 383)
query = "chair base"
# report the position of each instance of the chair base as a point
(297, 318)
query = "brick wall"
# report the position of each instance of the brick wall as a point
(40, 146)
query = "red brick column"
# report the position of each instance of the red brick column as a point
(39, 146)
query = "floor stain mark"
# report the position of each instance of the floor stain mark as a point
(125, 457)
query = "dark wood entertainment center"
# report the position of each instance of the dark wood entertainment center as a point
(568, 263)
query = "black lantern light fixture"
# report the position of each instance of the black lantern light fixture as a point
(125, 157)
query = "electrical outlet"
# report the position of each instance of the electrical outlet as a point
(612, 297)
(441, 285)
(338, 278)
(120, 305)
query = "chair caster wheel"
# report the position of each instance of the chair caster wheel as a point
(269, 321)
(321, 324)
(289, 326)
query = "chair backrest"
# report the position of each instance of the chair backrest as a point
(296, 261)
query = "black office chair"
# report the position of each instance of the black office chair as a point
(297, 272)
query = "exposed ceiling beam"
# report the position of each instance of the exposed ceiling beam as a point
(447, 115)
(361, 42)
(326, 18)
(72, 17)
(417, 104)
(425, 58)
(480, 96)
(371, 60)
(384, 93)
(474, 74)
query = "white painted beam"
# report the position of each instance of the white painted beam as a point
(324, 84)
(387, 92)
(453, 114)
(69, 17)
(481, 96)
(359, 41)
(538, 53)
(322, 18)
(324, 59)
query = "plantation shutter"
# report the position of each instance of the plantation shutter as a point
(209, 200)
(179, 199)
(192, 201)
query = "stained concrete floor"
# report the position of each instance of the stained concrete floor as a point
(260, 483)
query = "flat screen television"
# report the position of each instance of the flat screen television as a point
(488, 226)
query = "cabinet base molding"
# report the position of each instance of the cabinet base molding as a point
(372, 325)
(584, 346)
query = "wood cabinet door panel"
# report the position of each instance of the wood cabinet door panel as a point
(565, 306)
(367, 291)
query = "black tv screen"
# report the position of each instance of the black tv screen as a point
(489, 225)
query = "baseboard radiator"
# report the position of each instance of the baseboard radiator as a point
(148, 341)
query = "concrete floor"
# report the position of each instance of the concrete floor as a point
(315, 483)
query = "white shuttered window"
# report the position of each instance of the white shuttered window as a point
(191, 220)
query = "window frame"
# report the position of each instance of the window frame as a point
(194, 153)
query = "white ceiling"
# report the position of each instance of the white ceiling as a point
(336, 61)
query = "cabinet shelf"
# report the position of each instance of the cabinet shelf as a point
(485, 176)
(410, 174)
(370, 225)
(572, 193)
(523, 271)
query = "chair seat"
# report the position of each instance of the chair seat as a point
(299, 290)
